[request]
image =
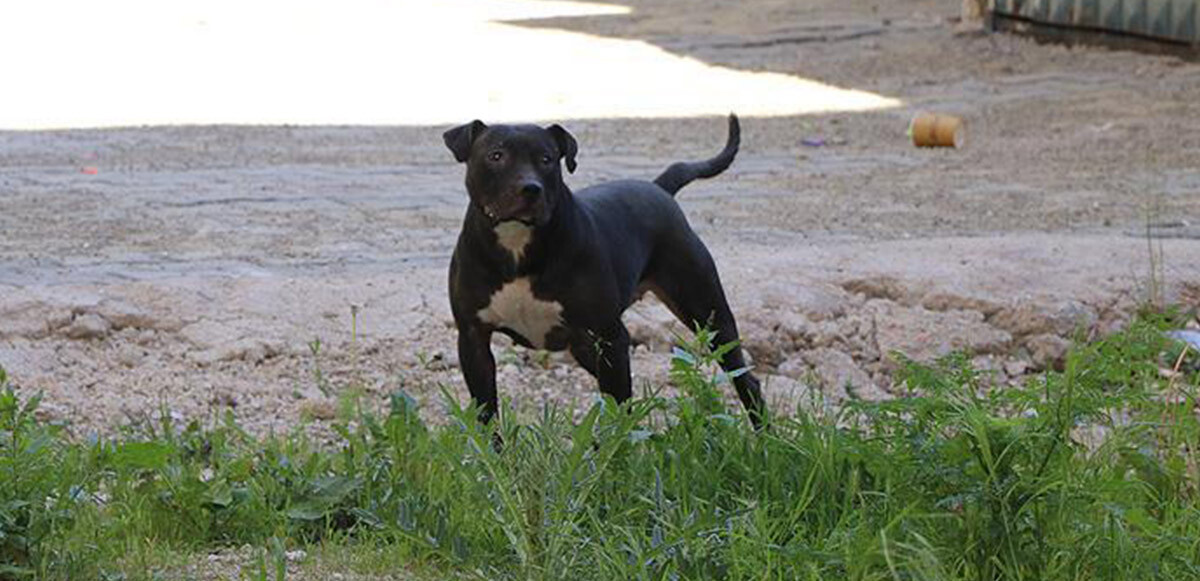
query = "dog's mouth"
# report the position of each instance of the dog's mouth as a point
(525, 217)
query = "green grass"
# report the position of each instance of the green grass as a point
(1088, 473)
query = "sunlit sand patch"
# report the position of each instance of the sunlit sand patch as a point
(79, 63)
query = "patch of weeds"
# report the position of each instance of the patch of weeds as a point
(322, 382)
(1085, 473)
(540, 358)
(270, 563)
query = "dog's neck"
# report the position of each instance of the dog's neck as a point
(514, 237)
(527, 246)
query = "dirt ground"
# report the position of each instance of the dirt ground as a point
(194, 270)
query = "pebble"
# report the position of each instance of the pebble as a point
(130, 356)
(87, 326)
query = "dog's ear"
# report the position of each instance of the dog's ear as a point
(566, 145)
(460, 139)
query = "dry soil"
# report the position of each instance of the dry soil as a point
(193, 271)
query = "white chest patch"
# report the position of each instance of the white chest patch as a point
(514, 307)
(514, 237)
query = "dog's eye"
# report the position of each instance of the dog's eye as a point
(546, 159)
(496, 155)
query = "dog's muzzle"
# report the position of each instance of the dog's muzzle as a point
(527, 206)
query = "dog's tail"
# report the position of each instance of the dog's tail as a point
(682, 173)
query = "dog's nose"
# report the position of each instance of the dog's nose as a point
(531, 189)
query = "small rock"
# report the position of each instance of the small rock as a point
(1047, 351)
(943, 301)
(442, 360)
(878, 287)
(124, 315)
(1191, 338)
(828, 334)
(1062, 318)
(145, 337)
(49, 412)
(318, 409)
(925, 335)
(245, 349)
(251, 352)
(130, 355)
(816, 300)
(786, 395)
(796, 327)
(768, 348)
(843, 377)
(1016, 367)
(205, 334)
(57, 319)
(651, 324)
(32, 320)
(224, 398)
(203, 358)
(990, 368)
(87, 326)
(795, 368)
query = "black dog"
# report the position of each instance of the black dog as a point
(555, 270)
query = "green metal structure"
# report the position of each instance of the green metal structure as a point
(1175, 22)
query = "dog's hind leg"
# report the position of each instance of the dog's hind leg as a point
(687, 282)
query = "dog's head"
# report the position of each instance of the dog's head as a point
(513, 171)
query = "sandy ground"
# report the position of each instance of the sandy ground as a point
(195, 268)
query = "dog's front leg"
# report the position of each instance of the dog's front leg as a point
(606, 356)
(479, 368)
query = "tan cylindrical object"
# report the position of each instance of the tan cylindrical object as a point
(937, 130)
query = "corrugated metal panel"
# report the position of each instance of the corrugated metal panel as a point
(1173, 20)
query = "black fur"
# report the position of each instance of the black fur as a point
(683, 173)
(594, 253)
